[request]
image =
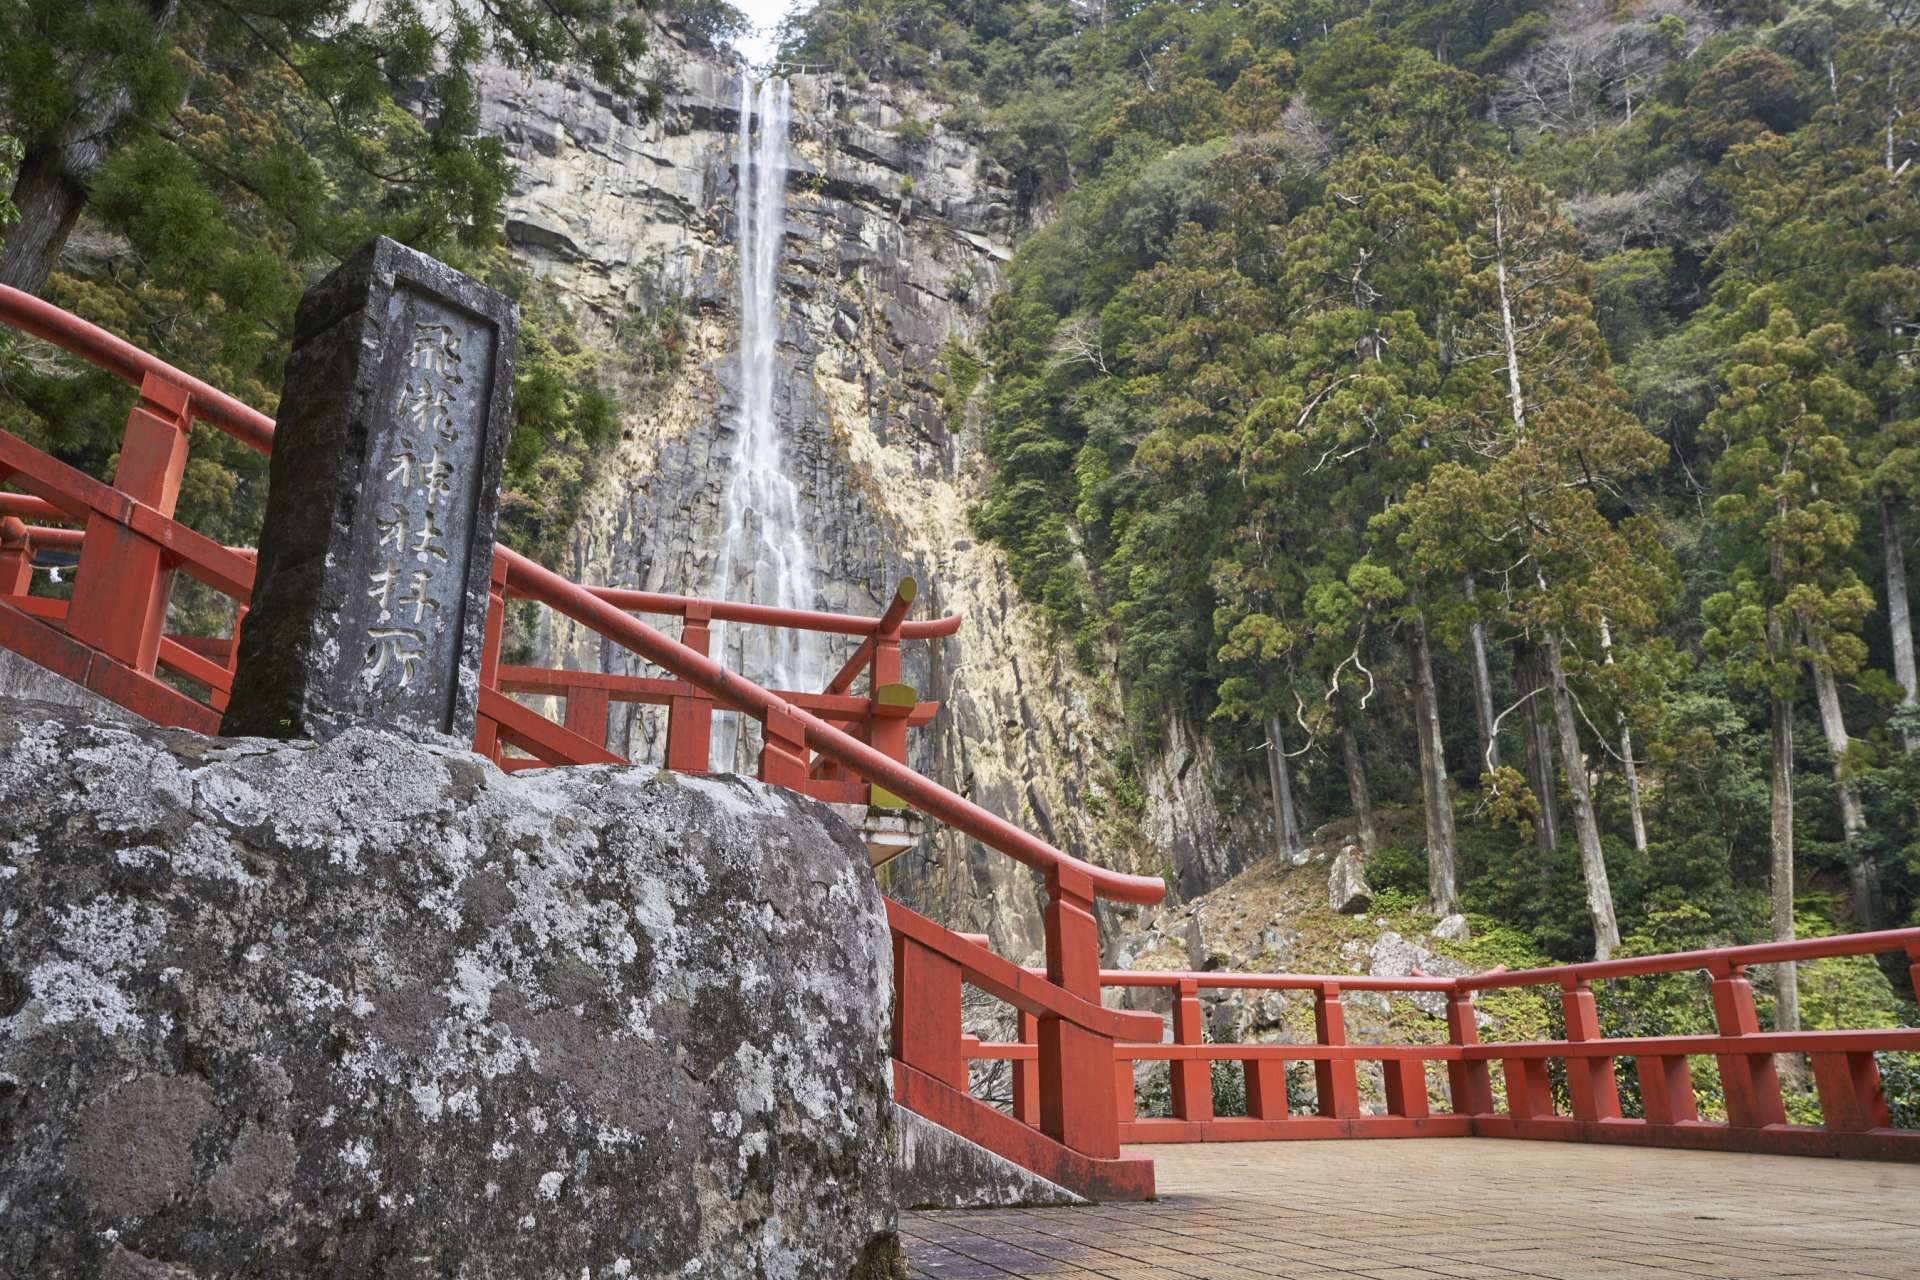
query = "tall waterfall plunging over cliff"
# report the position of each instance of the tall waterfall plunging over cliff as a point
(894, 246)
(764, 554)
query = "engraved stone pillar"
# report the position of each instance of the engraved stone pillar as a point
(370, 601)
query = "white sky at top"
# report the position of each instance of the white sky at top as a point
(765, 16)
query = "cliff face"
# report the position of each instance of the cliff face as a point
(894, 246)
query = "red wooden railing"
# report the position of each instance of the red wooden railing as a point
(1073, 1099)
(1854, 1115)
(111, 638)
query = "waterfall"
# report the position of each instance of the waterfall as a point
(764, 556)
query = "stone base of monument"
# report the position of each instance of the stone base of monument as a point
(22, 678)
(936, 1168)
(370, 1009)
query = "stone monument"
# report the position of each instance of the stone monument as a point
(370, 595)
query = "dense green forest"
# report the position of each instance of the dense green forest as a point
(1504, 409)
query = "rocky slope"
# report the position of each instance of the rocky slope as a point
(894, 246)
(1301, 915)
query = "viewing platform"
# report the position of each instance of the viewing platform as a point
(1464, 1207)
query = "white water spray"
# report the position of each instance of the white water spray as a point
(764, 555)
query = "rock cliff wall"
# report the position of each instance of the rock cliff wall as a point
(896, 241)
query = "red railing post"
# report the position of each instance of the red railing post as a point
(886, 731)
(1590, 1082)
(1076, 1065)
(1126, 1105)
(1751, 1080)
(124, 579)
(1266, 1088)
(783, 749)
(1666, 1089)
(1192, 1077)
(1468, 1080)
(1529, 1088)
(1026, 1075)
(1851, 1097)
(16, 558)
(486, 733)
(1336, 1082)
(1406, 1081)
(926, 1013)
(586, 713)
(886, 660)
(690, 714)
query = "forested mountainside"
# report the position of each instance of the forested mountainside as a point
(1503, 409)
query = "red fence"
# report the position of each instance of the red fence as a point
(1846, 1076)
(111, 637)
(1074, 1100)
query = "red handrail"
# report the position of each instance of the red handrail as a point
(121, 358)
(539, 583)
(1269, 981)
(771, 616)
(1716, 959)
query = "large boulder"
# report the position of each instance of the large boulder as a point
(372, 1009)
(1347, 888)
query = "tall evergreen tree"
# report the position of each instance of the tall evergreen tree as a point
(1786, 479)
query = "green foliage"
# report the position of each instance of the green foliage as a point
(10, 152)
(1900, 1078)
(1340, 311)
(243, 152)
(1398, 868)
(914, 132)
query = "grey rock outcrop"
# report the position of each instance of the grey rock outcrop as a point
(1393, 956)
(1347, 888)
(371, 1009)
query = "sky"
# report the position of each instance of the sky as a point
(765, 16)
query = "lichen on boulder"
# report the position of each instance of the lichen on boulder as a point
(373, 1009)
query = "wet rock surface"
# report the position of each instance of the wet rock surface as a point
(377, 1010)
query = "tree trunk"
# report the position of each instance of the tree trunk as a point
(1900, 618)
(1539, 750)
(50, 189)
(49, 204)
(1286, 820)
(1787, 1013)
(1626, 756)
(1483, 693)
(1586, 829)
(1862, 874)
(1358, 790)
(1442, 894)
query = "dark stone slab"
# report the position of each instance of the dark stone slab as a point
(370, 600)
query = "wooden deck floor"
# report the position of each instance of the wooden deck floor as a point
(1467, 1207)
